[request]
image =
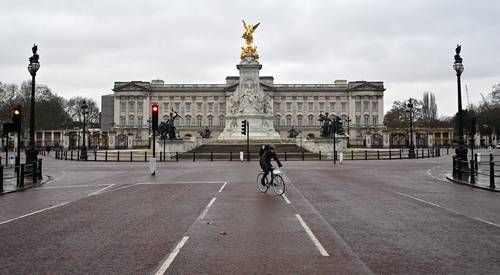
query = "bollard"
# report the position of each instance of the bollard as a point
(176, 156)
(366, 155)
(40, 168)
(145, 156)
(459, 168)
(211, 156)
(106, 155)
(230, 156)
(71, 154)
(160, 155)
(194, 156)
(416, 154)
(400, 154)
(95, 155)
(118, 156)
(390, 154)
(285, 157)
(378, 154)
(472, 173)
(130, 156)
(33, 172)
(319, 155)
(78, 155)
(475, 161)
(352, 154)
(492, 175)
(1, 179)
(21, 177)
(302, 155)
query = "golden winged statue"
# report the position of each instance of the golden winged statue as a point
(248, 36)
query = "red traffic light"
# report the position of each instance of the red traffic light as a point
(16, 112)
(155, 108)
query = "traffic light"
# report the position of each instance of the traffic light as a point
(16, 118)
(154, 117)
(244, 127)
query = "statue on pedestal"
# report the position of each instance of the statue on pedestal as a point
(167, 128)
(205, 133)
(292, 133)
(249, 48)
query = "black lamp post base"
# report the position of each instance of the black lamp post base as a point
(83, 153)
(31, 154)
(411, 152)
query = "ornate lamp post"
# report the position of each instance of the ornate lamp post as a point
(83, 154)
(461, 150)
(411, 152)
(31, 152)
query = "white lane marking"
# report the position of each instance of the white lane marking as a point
(123, 187)
(488, 222)
(286, 199)
(36, 212)
(204, 212)
(311, 235)
(71, 186)
(100, 190)
(178, 182)
(448, 209)
(172, 256)
(224, 185)
(430, 203)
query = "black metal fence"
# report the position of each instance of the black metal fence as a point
(144, 156)
(32, 171)
(478, 170)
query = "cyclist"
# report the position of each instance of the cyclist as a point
(267, 153)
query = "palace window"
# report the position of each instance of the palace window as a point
(358, 107)
(222, 121)
(122, 121)
(344, 106)
(365, 106)
(187, 121)
(210, 107)
(375, 120)
(288, 121)
(311, 106)
(332, 106)
(277, 106)
(321, 106)
(277, 121)
(358, 121)
(123, 107)
(139, 121)
(198, 121)
(131, 121)
(140, 107)
(165, 107)
(131, 106)
(299, 121)
(374, 106)
(188, 107)
(367, 120)
(210, 121)
(289, 106)
(177, 122)
(222, 107)
(198, 106)
(299, 106)
(310, 121)
(177, 106)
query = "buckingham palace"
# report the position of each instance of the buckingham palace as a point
(127, 112)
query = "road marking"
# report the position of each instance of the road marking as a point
(36, 212)
(448, 209)
(220, 190)
(488, 222)
(204, 212)
(311, 235)
(71, 186)
(172, 256)
(286, 199)
(100, 190)
(178, 182)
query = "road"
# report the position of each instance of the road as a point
(361, 217)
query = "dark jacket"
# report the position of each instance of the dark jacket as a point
(265, 159)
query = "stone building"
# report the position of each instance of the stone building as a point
(201, 105)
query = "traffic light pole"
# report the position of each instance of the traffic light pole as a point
(248, 140)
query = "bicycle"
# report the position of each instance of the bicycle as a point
(277, 182)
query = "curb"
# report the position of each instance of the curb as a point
(471, 185)
(43, 181)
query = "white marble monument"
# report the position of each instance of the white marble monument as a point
(248, 101)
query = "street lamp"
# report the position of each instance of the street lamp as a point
(348, 120)
(31, 152)
(83, 154)
(411, 152)
(461, 150)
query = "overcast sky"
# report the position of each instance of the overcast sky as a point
(85, 46)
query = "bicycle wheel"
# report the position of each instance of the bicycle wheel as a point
(278, 185)
(262, 188)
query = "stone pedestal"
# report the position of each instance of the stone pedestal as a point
(249, 102)
(176, 145)
(325, 146)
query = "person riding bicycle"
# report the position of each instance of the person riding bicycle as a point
(267, 153)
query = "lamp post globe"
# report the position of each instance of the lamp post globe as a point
(411, 151)
(461, 150)
(34, 65)
(83, 153)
